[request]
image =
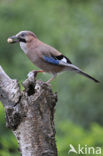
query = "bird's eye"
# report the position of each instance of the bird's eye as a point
(22, 35)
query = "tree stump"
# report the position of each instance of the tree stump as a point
(30, 114)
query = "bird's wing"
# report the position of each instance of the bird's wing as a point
(53, 56)
(58, 60)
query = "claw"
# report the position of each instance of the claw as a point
(36, 72)
(48, 83)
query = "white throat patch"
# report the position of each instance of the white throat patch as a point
(23, 47)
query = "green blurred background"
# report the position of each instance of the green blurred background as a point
(75, 27)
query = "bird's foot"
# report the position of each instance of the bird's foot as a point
(32, 75)
(48, 83)
(35, 72)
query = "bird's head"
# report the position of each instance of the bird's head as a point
(22, 36)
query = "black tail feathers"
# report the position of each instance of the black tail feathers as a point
(79, 71)
(88, 76)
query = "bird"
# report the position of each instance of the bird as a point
(44, 56)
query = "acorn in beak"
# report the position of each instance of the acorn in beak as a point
(13, 39)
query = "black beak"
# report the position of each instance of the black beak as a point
(13, 39)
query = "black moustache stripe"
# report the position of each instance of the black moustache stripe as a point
(22, 40)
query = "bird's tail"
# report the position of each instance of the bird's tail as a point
(88, 76)
(79, 71)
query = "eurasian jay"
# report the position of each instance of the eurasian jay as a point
(44, 56)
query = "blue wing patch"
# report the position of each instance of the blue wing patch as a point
(51, 60)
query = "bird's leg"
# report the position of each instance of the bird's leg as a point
(52, 78)
(36, 72)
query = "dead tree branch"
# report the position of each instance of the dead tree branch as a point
(30, 114)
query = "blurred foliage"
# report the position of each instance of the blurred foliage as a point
(8, 143)
(77, 135)
(75, 27)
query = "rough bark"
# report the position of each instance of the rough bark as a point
(30, 114)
